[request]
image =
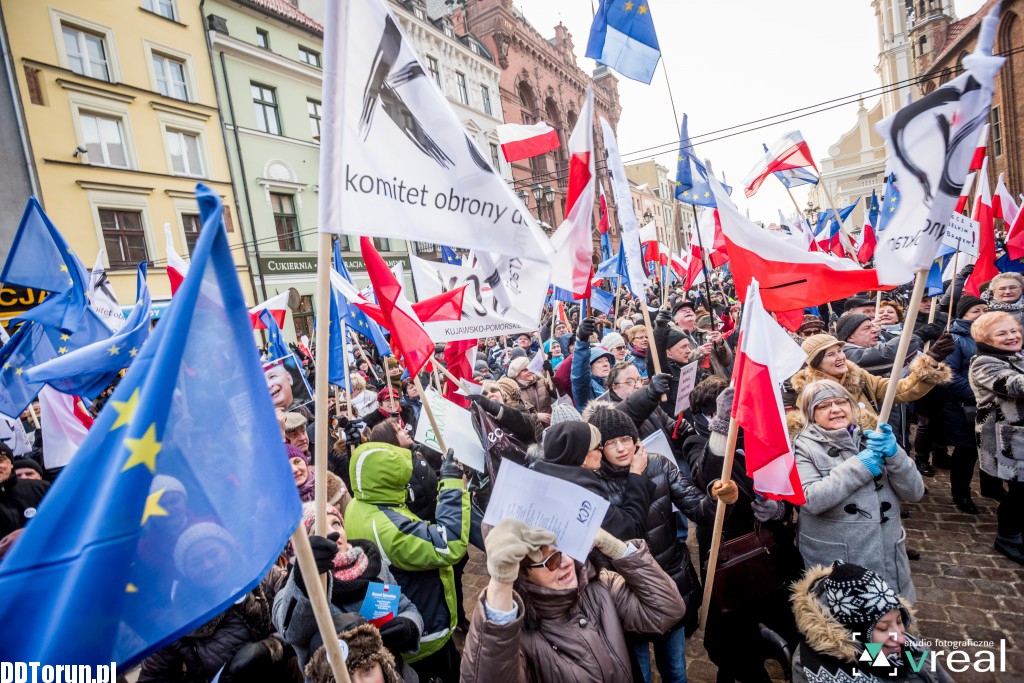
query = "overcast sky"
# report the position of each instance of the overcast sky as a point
(733, 61)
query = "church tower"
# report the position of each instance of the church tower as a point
(895, 52)
(928, 24)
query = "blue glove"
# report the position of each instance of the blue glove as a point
(882, 440)
(872, 460)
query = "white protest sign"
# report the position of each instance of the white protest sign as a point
(658, 443)
(687, 379)
(962, 233)
(456, 427)
(572, 512)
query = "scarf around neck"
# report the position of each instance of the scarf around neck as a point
(306, 489)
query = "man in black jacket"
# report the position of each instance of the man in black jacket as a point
(19, 498)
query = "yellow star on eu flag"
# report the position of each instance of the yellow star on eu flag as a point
(65, 337)
(62, 350)
(153, 508)
(125, 410)
(628, 6)
(19, 372)
(64, 269)
(706, 195)
(7, 366)
(891, 209)
(133, 351)
(643, 9)
(114, 349)
(143, 451)
(131, 588)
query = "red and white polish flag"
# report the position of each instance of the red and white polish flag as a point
(519, 141)
(985, 268)
(788, 153)
(177, 269)
(278, 306)
(66, 423)
(767, 356)
(1003, 204)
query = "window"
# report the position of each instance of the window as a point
(265, 100)
(460, 80)
(996, 131)
(170, 76)
(303, 317)
(183, 148)
(382, 243)
(285, 221)
(104, 139)
(495, 159)
(87, 53)
(307, 56)
(313, 107)
(190, 221)
(263, 38)
(485, 95)
(123, 237)
(165, 8)
(434, 69)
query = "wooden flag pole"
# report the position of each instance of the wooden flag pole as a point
(952, 287)
(716, 535)
(652, 348)
(704, 266)
(32, 414)
(355, 339)
(321, 416)
(318, 600)
(901, 351)
(430, 415)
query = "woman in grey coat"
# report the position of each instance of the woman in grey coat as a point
(854, 482)
(997, 378)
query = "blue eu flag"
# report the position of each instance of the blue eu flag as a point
(623, 37)
(890, 202)
(89, 370)
(275, 343)
(830, 217)
(179, 500)
(692, 185)
(355, 318)
(449, 255)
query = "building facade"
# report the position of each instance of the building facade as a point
(672, 216)
(121, 117)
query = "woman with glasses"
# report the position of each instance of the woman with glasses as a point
(545, 616)
(854, 481)
(1006, 293)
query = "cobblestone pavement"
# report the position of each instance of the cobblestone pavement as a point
(966, 591)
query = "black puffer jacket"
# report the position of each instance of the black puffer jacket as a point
(646, 413)
(18, 497)
(670, 487)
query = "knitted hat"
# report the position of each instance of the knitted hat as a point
(858, 598)
(597, 353)
(165, 482)
(849, 323)
(811, 322)
(6, 452)
(613, 423)
(517, 352)
(294, 452)
(30, 463)
(510, 389)
(814, 345)
(194, 534)
(967, 302)
(611, 340)
(856, 302)
(564, 412)
(720, 423)
(675, 335)
(385, 394)
(294, 421)
(568, 443)
(517, 366)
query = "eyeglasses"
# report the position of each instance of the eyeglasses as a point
(629, 382)
(624, 441)
(620, 347)
(1008, 288)
(836, 402)
(552, 562)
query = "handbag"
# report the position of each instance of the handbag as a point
(750, 567)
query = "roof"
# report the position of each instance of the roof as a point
(286, 11)
(958, 32)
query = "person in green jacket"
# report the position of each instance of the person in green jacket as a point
(421, 554)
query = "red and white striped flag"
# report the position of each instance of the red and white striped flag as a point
(979, 151)
(519, 141)
(459, 358)
(177, 269)
(602, 223)
(965, 193)
(65, 423)
(985, 269)
(278, 307)
(1003, 204)
(788, 153)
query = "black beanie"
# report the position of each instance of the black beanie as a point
(967, 302)
(675, 335)
(848, 324)
(613, 423)
(858, 598)
(567, 443)
(6, 452)
(28, 462)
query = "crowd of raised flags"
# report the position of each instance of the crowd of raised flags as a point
(192, 403)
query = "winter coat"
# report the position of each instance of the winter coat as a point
(198, 656)
(647, 415)
(828, 652)
(879, 358)
(997, 379)
(958, 406)
(536, 395)
(585, 387)
(868, 390)
(19, 499)
(843, 518)
(419, 553)
(639, 360)
(625, 521)
(671, 487)
(574, 635)
(408, 415)
(364, 403)
(293, 612)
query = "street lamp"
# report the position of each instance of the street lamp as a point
(549, 195)
(524, 197)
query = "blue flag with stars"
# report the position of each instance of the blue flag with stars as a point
(692, 185)
(190, 494)
(449, 255)
(90, 369)
(338, 345)
(354, 317)
(830, 217)
(40, 258)
(873, 211)
(276, 347)
(623, 37)
(890, 202)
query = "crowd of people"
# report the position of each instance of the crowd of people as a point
(838, 571)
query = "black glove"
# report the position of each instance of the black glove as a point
(942, 347)
(659, 385)
(488, 404)
(400, 635)
(664, 318)
(354, 432)
(547, 367)
(449, 468)
(586, 329)
(930, 332)
(250, 660)
(324, 550)
(967, 270)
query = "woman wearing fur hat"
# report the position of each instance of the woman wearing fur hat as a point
(620, 445)
(826, 360)
(1006, 293)
(368, 661)
(855, 630)
(854, 481)
(350, 566)
(997, 378)
(546, 617)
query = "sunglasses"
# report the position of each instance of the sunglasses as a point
(552, 562)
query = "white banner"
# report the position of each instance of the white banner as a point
(456, 427)
(102, 299)
(627, 217)
(962, 234)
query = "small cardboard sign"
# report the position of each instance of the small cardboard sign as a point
(381, 603)
(687, 380)
(962, 233)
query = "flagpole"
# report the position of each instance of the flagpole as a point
(355, 340)
(348, 381)
(839, 221)
(318, 601)
(716, 535)
(704, 266)
(430, 414)
(652, 348)
(952, 287)
(901, 351)
(321, 417)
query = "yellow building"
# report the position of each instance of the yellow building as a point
(121, 116)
